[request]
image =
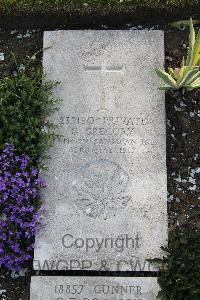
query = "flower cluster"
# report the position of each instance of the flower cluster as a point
(19, 203)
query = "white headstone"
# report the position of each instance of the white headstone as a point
(105, 202)
(93, 288)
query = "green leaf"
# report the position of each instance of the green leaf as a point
(190, 76)
(196, 53)
(166, 87)
(194, 85)
(191, 44)
(168, 80)
(194, 78)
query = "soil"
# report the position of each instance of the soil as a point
(183, 143)
(91, 17)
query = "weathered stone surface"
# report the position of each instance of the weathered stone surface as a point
(105, 203)
(93, 288)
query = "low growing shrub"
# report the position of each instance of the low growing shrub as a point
(19, 203)
(180, 276)
(26, 100)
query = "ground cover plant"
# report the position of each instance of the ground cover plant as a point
(19, 204)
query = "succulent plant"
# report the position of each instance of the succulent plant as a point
(188, 75)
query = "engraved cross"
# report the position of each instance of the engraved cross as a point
(104, 69)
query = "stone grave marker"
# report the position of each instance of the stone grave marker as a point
(105, 202)
(93, 288)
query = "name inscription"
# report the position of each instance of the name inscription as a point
(107, 134)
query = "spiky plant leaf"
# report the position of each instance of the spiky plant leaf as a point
(189, 77)
(173, 73)
(196, 54)
(191, 44)
(194, 78)
(166, 87)
(195, 84)
(168, 80)
(181, 74)
(183, 62)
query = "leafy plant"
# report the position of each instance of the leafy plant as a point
(19, 202)
(180, 275)
(188, 76)
(26, 100)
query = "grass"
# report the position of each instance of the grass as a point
(30, 6)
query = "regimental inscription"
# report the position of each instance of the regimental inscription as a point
(103, 69)
(101, 189)
(108, 134)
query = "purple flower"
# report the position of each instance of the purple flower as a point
(19, 204)
(2, 185)
(15, 248)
